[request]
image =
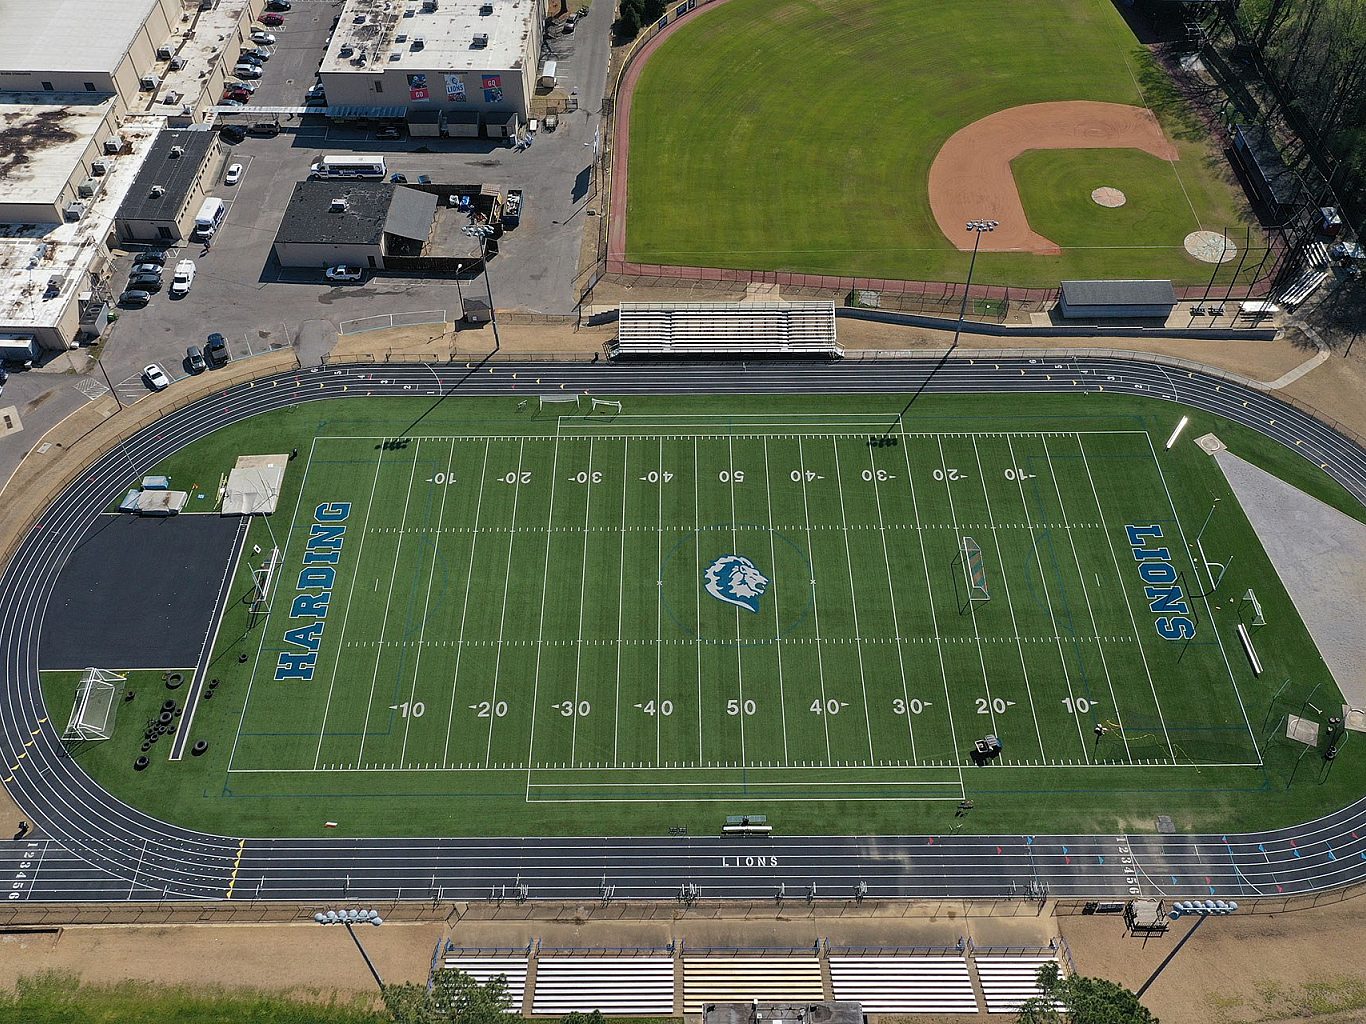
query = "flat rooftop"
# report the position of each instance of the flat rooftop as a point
(30, 256)
(310, 218)
(173, 162)
(69, 35)
(42, 139)
(386, 34)
(199, 50)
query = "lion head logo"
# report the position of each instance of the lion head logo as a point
(734, 580)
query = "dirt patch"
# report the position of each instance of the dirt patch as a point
(971, 178)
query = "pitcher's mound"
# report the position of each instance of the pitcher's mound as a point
(1109, 197)
(1210, 247)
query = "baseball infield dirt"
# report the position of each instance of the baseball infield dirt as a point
(971, 178)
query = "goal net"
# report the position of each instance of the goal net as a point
(974, 568)
(97, 701)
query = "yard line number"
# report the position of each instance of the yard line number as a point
(490, 709)
(415, 709)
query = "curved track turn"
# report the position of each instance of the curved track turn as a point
(94, 847)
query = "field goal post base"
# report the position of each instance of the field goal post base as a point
(95, 706)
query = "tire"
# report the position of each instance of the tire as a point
(199, 747)
(165, 718)
(141, 763)
(173, 680)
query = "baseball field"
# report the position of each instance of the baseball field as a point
(816, 137)
(493, 618)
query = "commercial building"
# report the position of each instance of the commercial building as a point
(467, 57)
(357, 223)
(180, 168)
(52, 153)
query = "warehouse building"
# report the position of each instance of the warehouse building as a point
(1114, 300)
(175, 177)
(356, 223)
(52, 153)
(394, 59)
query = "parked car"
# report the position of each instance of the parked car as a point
(261, 37)
(155, 377)
(344, 273)
(134, 298)
(259, 53)
(4, 376)
(273, 20)
(398, 179)
(144, 283)
(229, 101)
(251, 57)
(569, 26)
(279, 5)
(391, 131)
(232, 133)
(152, 257)
(234, 174)
(194, 360)
(248, 86)
(247, 70)
(316, 93)
(141, 266)
(269, 129)
(238, 96)
(216, 351)
(184, 278)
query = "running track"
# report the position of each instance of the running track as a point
(95, 848)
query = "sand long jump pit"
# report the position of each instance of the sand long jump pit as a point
(971, 177)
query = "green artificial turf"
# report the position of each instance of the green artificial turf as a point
(519, 640)
(798, 136)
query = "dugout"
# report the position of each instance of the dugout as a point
(1272, 181)
(1116, 300)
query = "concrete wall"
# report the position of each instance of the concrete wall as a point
(320, 255)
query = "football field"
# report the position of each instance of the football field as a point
(677, 608)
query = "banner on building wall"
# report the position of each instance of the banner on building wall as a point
(455, 89)
(493, 88)
(417, 88)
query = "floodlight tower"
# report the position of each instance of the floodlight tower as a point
(979, 228)
(347, 918)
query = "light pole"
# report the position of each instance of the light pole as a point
(978, 226)
(347, 918)
(1205, 908)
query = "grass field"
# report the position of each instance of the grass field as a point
(798, 136)
(521, 630)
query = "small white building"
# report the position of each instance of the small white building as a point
(395, 57)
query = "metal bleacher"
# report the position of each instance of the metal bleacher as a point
(741, 979)
(727, 329)
(637, 986)
(484, 969)
(905, 984)
(1009, 980)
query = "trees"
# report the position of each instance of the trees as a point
(630, 18)
(454, 998)
(1078, 1000)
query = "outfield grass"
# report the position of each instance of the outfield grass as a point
(798, 136)
(485, 575)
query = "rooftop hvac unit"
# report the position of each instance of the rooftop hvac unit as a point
(55, 284)
(88, 188)
(158, 191)
(402, 37)
(177, 63)
(429, 5)
(339, 205)
(481, 40)
(165, 52)
(419, 42)
(177, 152)
(150, 82)
(74, 212)
(99, 168)
(486, 8)
(113, 145)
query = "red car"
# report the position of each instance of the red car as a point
(272, 19)
(236, 94)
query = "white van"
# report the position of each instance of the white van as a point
(548, 70)
(208, 218)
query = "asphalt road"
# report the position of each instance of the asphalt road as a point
(93, 847)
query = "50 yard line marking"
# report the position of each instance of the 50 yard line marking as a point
(346, 615)
(388, 600)
(853, 599)
(464, 610)
(1005, 580)
(502, 615)
(426, 606)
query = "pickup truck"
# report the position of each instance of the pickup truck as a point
(512, 208)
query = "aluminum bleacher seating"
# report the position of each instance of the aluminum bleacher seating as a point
(727, 329)
(1007, 981)
(485, 968)
(904, 984)
(721, 979)
(628, 986)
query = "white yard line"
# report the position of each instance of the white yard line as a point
(815, 608)
(388, 601)
(891, 596)
(853, 603)
(1005, 581)
(1090, 611)
(583, 589)
(540, 629)
(426, 608)
(1123, 585)
(502, 615)
(1048, 599)
(1209, 613)
(621, 599)
(697, 589)
(465, 608)
(346, 615)
(972, 608)
(777, 616)
(265, 628)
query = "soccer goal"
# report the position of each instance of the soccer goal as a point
(97, 701)
(263, 579)
(975, 570)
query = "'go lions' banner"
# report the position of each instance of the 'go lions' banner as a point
(455, 89)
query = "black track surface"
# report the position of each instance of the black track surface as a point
(137, 593)
(97, 848)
